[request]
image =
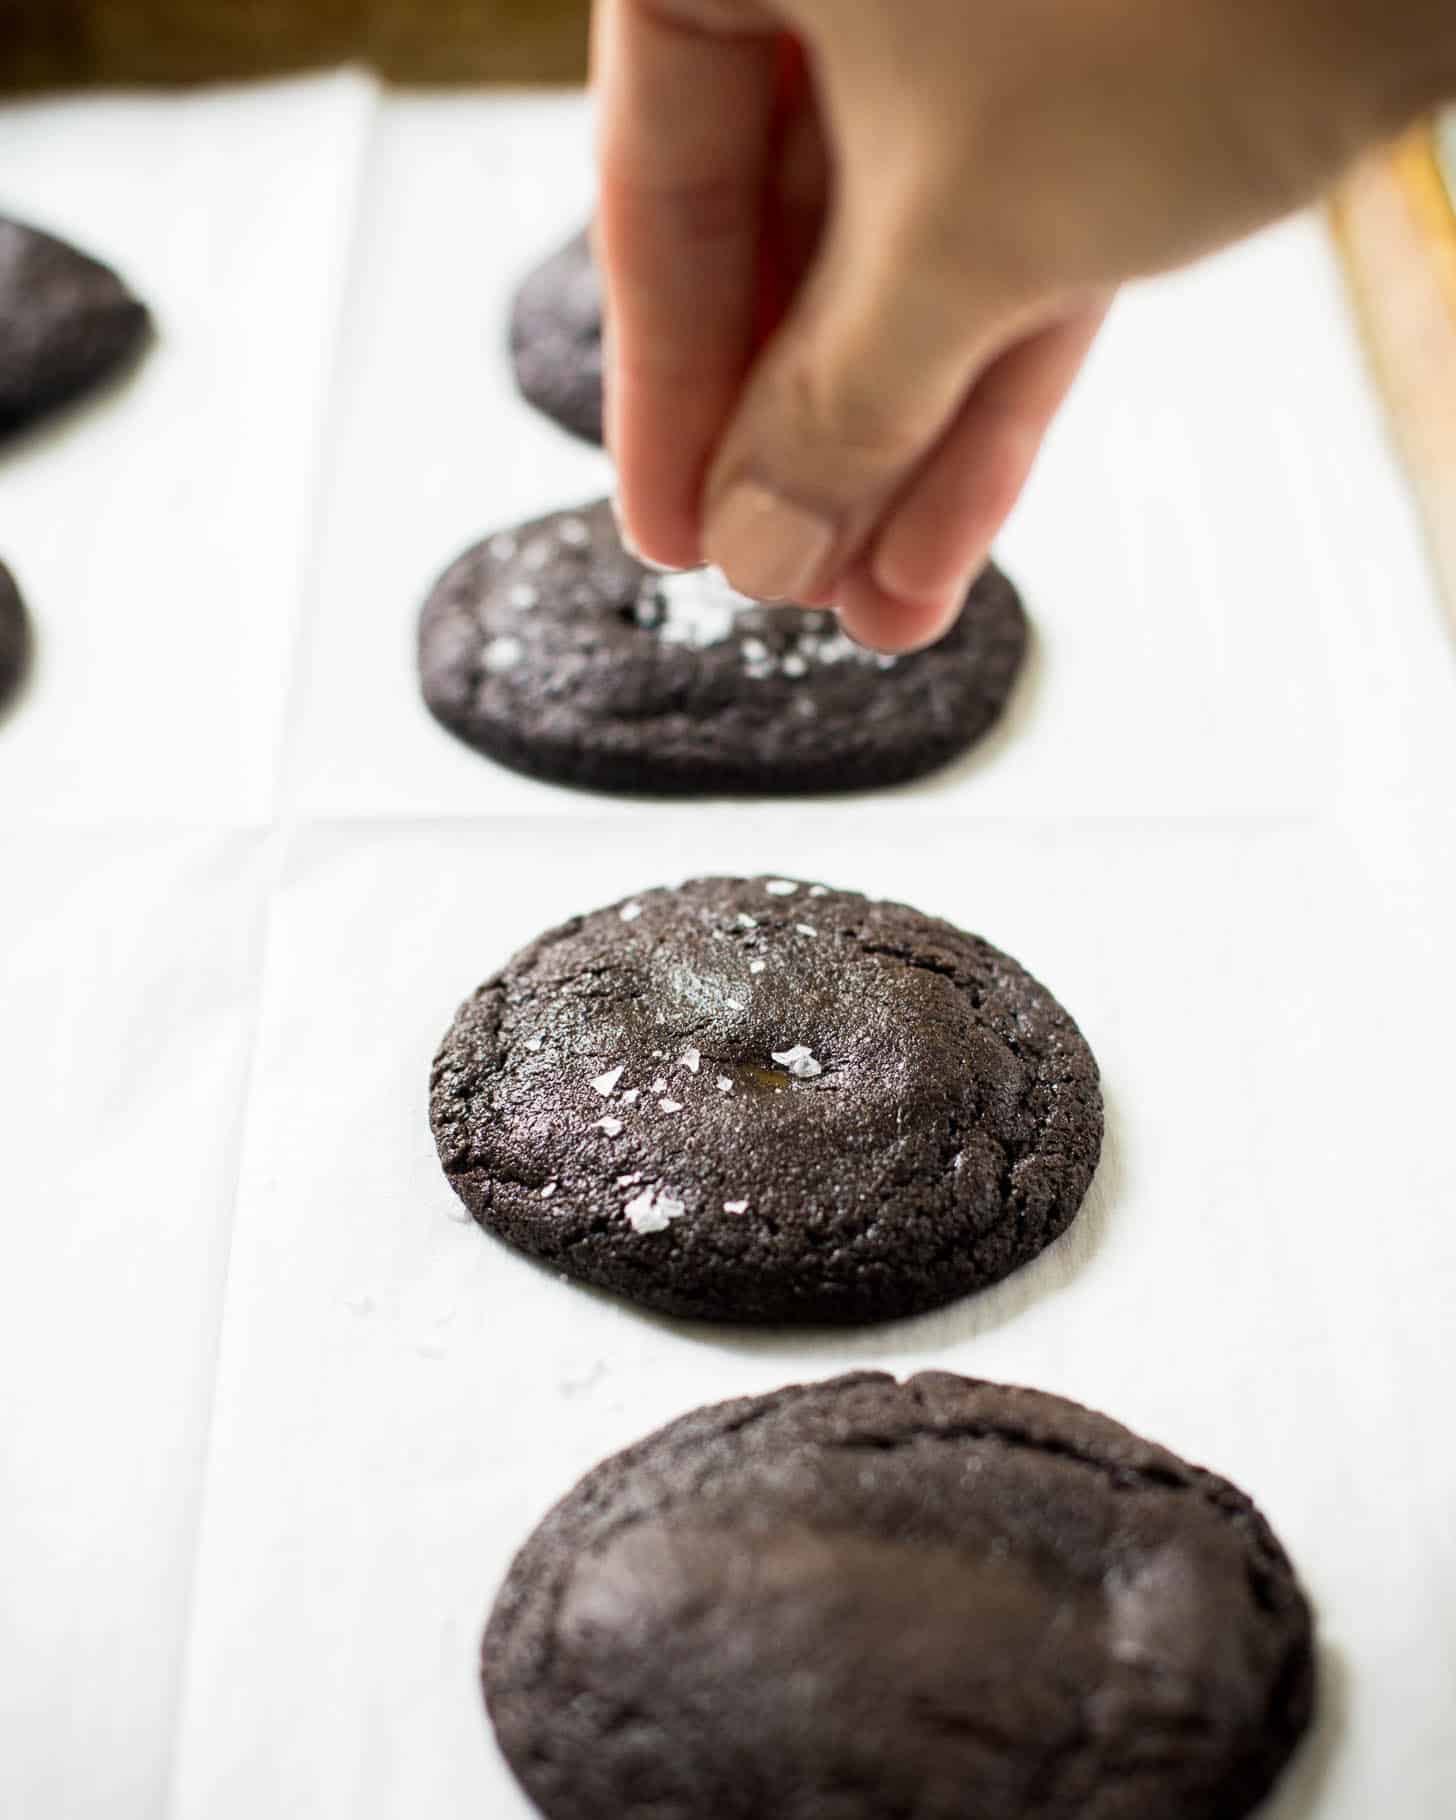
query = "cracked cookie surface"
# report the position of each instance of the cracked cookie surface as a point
(763, 1100)
(859, 1599)
(556, 338)
(551, 650)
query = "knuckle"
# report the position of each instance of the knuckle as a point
(846, 412)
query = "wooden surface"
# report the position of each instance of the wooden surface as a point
(53, 43)
(1397, 228)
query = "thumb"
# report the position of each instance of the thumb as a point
(845, 402)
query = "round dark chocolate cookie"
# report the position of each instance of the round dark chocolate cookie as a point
(14, 636)
(556, 339)
(550, 649)
(863, 1600)
(761, 1100)
(66, 323)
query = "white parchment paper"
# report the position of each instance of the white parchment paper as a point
(273, 1419)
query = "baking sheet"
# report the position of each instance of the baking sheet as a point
(274, 1420)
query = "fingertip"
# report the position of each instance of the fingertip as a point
(888, 623)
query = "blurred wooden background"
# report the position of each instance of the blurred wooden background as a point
(54, 43)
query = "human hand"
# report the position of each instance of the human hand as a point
(855, 250)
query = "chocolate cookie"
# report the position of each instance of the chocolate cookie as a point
(556, 339)
(14, 636)
(863, 1600)
(761, 1100)
(550, 649)
(66, 323)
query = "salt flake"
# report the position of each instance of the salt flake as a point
(757, 966)
(804, 929)
(653, 1211)
(502, 654)
(670, 1105)
(799, 1061)
(692, 1060)
(724, 1084)
(548, 1191)
(781, 887)
(606, 1084)
(523, 597)
(612, 1127)
(630, 912)
(735, 1206)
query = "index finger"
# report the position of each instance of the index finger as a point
(686, 98)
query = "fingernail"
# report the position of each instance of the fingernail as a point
(624, 537)
(765, 544)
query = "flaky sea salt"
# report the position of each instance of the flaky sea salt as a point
(534, 1042)
(818, 890)
(670, 1105)
(794, 665)
(724, 1084)
(805, 929)
(631, 1096)
(502, 654)
(780, 887)
(735, 1206)
(659, 1086)
(692, 607)
(736, 1004)
(653, 1211)
(629, 1181)
(692, 1060)
(548, 1191)
(745, 921)
(630, 912)
(757, 966)
(612, 1127)
(799, 1061)
(523, 597)
(606, 1084)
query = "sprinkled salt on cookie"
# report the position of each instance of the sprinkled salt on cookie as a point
(502, 654)
(653, 1211)
(675, 684)
(828, 1103)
